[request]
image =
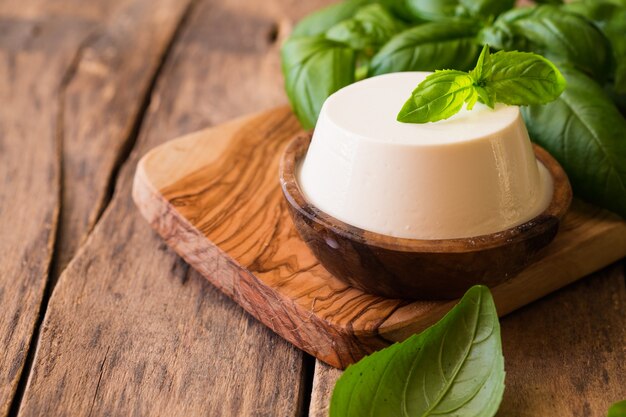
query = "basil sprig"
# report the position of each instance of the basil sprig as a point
(515, 78)
(454, 368)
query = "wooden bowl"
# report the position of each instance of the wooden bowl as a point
(413, 268)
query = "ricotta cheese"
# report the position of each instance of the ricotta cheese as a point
(472, 174)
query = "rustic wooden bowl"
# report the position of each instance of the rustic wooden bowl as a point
(419, 269)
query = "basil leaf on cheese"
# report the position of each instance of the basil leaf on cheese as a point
(429, 47)
(522, 78)
(515, 78)
(585, 132)
(314, 68)
(438, 97)
(454, 368)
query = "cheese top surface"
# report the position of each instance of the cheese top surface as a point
(368, 109)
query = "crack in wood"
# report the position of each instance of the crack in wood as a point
(55, 268)
(95, 394)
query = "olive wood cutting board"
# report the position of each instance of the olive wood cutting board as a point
(215, 197)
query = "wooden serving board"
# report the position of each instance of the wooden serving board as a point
(214, 196)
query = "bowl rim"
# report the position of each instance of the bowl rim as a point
(558, 206)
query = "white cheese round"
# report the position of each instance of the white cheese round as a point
(472, 174)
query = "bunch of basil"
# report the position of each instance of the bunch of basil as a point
(583, 128)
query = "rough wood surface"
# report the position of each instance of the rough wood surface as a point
(104, 94)
(216, 199)
(565, 355)
(36, 51)
(129, 328)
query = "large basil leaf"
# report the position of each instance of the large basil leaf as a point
(599, 11)
(429, 47)
(486, 8)
(611, 19)
(615, 30)
(584, 130)
(438, 10)
(454, 368)
(370, 27)
(618, 409)
(560, 36)
(433, 10)
(314, 68)
(325, 18)
(548, 1)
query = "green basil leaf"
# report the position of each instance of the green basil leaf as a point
(454, 368)
(314, 68)
(615, 31)
(325, 18)
(371, 27)
(618, 409)
(441, 10)
(438, 97)
(585, 132)
(560, 36)
(487, 8)
(610, 17)
(522, 78)
(598, 11)
(429, 47)
(483, 66)
(548, 1)
(433, 10)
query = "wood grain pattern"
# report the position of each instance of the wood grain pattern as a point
(215, 198)
(104, 94)
(565, 355)
(35, 54)
(419, 269)
(130, 330)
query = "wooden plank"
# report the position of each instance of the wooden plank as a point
(36, 51)
(104, 95)
(129, 329)
(215, 197)
(565, 355)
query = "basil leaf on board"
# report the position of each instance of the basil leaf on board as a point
(560, 36)
(370, 27)
(618, 409)
(438, 97)
(522, 78)
(585, 132)
(429, 47)
(454, 368)
(325, 18)
(314, 68)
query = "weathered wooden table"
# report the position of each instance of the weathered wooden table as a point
(99, 317)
